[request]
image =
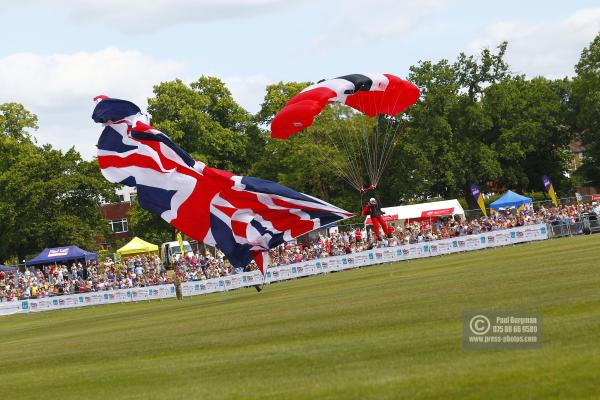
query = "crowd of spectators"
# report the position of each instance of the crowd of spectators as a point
(148, 270)
(129, 272)
(359, 238)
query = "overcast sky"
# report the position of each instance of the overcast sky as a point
(57, 55)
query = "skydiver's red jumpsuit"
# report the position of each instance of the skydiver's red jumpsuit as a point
(377, 219)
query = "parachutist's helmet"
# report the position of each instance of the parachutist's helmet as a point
(372, 200)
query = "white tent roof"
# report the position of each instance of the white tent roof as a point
(424, 210)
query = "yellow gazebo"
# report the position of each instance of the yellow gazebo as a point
(137, 246)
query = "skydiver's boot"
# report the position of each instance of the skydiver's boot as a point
(258, 288)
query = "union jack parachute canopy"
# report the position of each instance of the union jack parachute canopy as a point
(242, 216)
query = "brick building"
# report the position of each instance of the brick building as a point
(117, 215)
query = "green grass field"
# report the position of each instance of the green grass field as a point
(391, 331)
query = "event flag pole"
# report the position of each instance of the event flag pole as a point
(478, 198)
(550, 189)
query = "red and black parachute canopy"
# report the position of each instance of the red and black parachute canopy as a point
(373, 95)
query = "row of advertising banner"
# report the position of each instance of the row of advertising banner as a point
(292, 271)
(88, 299)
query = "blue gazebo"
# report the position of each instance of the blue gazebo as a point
(508, 200)
(60, 254)
(7, 268)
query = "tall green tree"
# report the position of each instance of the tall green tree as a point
(15, 121)
(528, 132)
(52, 199)
(476, 122)
(204, 119)
(15, 143)
(448, 123)
(47, 197)
(586, 110)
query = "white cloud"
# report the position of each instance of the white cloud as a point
(248, 91)
(148, 16)
(359, 22)
(59, 89)
(550, 48)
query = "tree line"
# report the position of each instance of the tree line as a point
(476, 121)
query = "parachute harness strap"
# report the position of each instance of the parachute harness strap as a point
(364, 189)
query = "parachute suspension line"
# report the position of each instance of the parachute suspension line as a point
(391, 133)
(367, 146)
(375, 133)
(360, 206)
(352, 161)
(371, 145)
(348, 135)
(374, 137)
(351, 158)
(389, 143)
(375, 143)
(379, 132)
(356, 136)
(388, 150)
(394, 127)
(358, 152)
(345, 173)
(364, 147)
(378, 149)
(396, 131)
(349, 167)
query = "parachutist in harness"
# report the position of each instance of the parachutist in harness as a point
(373, 209)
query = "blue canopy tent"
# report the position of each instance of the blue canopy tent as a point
(60, 254)
(508, 200)
(7, 268)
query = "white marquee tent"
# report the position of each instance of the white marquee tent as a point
(422, 211)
